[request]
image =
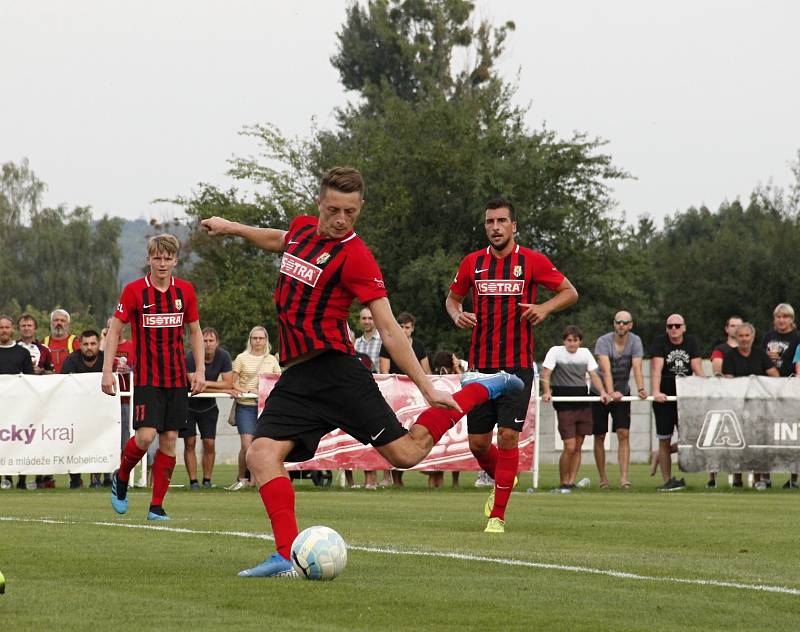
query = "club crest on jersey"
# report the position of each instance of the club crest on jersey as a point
(300, 270)
(162, 320)
(178, 304)
(323, 258)
(500, 287)
(518, 271)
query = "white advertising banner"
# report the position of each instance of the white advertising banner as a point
(57, 424)
(743, 424)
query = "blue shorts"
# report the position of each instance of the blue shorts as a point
(246, 417)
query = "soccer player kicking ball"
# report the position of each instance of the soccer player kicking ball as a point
(158, 307)
(503, 279)
(324, 268)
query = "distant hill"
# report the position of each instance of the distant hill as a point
(133, 244)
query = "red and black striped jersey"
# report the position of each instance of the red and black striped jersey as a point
(157, 320)
(319, 279)
(501, 339)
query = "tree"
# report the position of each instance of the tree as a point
(53, 257)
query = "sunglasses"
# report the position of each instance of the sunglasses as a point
(674, 325)
(623, 322)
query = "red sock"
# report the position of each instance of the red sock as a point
(278, 498)
(488, 460)
(162, 473)
(131, 455)
(506, 470)
(440, 420)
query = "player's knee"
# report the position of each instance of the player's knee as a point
(507, 438)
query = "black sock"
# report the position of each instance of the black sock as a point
(122, 488)
(206, 480)
(158, 510)
(192, 481)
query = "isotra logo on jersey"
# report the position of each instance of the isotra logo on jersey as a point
(500, 287)
(301, 270)
(162, 320)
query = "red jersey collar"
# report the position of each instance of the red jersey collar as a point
(147, 280)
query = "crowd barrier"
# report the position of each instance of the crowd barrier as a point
(64, 424)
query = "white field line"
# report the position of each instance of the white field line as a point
(440, 554)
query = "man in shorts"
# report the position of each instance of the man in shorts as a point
(325, 267)
(203, 412)
(674, 354)
(157, 306)
(617, 353)
(502, 279)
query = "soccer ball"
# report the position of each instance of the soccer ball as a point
(319, 553)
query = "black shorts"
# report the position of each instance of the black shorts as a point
(160, 408)
(332, 390)
(507, 411)
(666, 414)
(205, 420)
(620, 414)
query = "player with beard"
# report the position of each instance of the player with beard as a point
(502, 279)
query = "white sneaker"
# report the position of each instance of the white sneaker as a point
(240, 484)
(30, 485)
(484, 480)
(5, 484)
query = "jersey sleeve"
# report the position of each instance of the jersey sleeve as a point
(591, 363)
(602, 347)
(191, 313)
(545, 273)
(637, 348)
(362, 276)
(463, 280)
(550, 358)
(126, 305)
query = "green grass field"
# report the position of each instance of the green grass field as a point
(418, 560)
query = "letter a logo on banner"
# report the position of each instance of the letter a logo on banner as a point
(721, 429)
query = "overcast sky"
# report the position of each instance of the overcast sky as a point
(116, 104)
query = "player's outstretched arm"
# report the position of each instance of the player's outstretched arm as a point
(400, 350)
(109, 383)
(270, 239)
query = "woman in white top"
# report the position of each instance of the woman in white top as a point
(566, 367)
(255, 360)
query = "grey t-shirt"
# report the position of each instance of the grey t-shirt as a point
(620, 363)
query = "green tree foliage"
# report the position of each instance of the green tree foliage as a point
(54, 257)
(711, 265)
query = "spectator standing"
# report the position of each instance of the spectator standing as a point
(781, 344)
(13, 360)
(717, 356)
(255, 360)
(369, 344)
(719, 350)
(60, 342)
(503, 279)
(42, 365)
(744, 360)
(203, 412)
(158, 306)
(87, 359)
(564, 371)
(407, 323)
(40, 354)
(782, 339)
(673, 354)
(617, 352)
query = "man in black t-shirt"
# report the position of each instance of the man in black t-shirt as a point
(406, 322)
(13, 360)
(203, 412)
(781, 342)
(673, 354)
(745, 359)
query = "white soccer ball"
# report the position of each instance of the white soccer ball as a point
(319, 553)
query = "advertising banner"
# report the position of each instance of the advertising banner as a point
(338, 450)
(743, 424)
(57, 424)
